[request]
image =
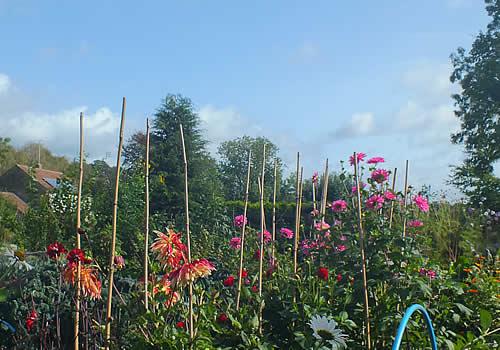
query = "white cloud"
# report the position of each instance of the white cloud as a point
(225, 124)
(59, 130)
(360, 124)
(4, 84)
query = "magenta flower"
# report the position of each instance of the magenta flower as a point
(376, 160)
(339, 206)
(321, 226)
(235, 243)
(267, 236)
(239, 220)
(380, 175)
(286, 233)
(389, 195)
(343, 238)
(360, 156)
(421, 203)
(315, 177)
(427, 273)
(415, 223)
(354, 189)
(341, 248)
(375, 202)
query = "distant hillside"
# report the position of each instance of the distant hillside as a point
(28, 155)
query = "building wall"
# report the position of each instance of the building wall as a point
(16, 181)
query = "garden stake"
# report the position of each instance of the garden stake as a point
(363, 258)
(314, 200)
(262, 226)
(297, 218)
(188, 236)
(113, 236)
(242, 250)
(300, 200)
(392, 203)
(146, 220)
(78, 243)
(405, 199)
(324, 195)
(274, 207)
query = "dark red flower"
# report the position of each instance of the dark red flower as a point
(31, 320)
(339, 277)
(256, 255)
(119, 262)
(244, 273)
(228, 282)
(181, 325)
(76, 255)
(255, 289)
(54, 250)
(323, 273)
(222, 318)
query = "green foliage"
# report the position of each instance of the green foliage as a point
(478, 108)
(10, 227)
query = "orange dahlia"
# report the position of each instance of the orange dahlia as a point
(169, 249)
(191, 271)
(89, 282)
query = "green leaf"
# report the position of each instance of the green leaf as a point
(3, 294)
(464, 309)
(485, 319)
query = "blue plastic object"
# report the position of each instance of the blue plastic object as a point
(8, 326)
(404, 323)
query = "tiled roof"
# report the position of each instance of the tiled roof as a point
(21, 206)
(41, 175)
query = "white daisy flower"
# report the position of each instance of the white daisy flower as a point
(326, 330)
(15, 257)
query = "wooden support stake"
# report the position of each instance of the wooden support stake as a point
(188, 235)
(146, 220)
(78, 242)
(242, 242)
(113, 236)
(363, 258)
(262, 228)
(405, 199)
(297, 217)
(392, 203)
(274, 207)
(325, 192)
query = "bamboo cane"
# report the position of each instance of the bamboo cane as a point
(146, 220)
(297, 218)
(188, 235)
(113, 236)
(314, 201)
(78, 243)
(242, 242)
(405, 199)
(325, 192)
(262, 227)
(301, 186)
(392, 203)
(274, 206)
(363, 258)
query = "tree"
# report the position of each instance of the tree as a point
(166, 161)
(233, 165)
(478, 108)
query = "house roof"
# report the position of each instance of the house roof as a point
(12, 198)
(44, 177)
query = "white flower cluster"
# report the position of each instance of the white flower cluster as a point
(65, 202)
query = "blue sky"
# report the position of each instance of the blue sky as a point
(325, 79)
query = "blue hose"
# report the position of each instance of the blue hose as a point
(8, 326)
(404, 323)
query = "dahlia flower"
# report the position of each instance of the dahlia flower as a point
(315, 177)
(31, 320)
(326, 330)
(375, 160)
(235, 243)
(389, 195)
(169, 249)
(89, 282)
(286, 233)
(323, 273)
(415, 223)
(339, 206)
(54, 250)
(239, 220)
(191, 271)
(360, 157)
(380, 175)
(375, 202)
(229, 281)
(321, 226)
(421, 203)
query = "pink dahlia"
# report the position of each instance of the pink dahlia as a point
(240, 220)
(321, 226)
(286, 233)
(360, 157)
(376, 160)
(415, 223)
(389, 195)
(267, 236)
(341, 248)
(235, 243)
(339, 206)
(375, 202)
(421, 203)
(380, 175)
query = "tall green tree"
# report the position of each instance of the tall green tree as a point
(478, 108)
(167, 166)
(233, 165)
